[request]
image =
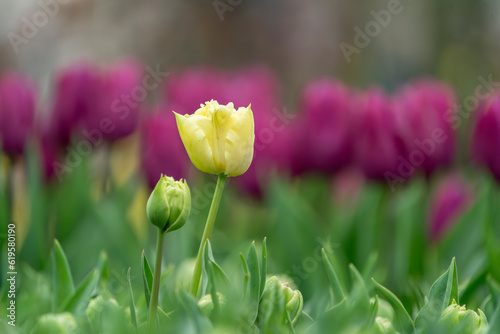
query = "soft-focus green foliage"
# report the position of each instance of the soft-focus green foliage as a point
(327, 251)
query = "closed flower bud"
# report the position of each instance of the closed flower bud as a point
(62, 323)
(274, 291)
(17, 108)
(169, 205)
(206, 305)
(456, 317)
(218, 138)
(384, 326)
(106, 316)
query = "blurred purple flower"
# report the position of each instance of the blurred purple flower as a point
(451, 198)
(327, 106)
(189, 88)
(486, 136)
(17, 111)
(162, 151)
(377, 140)
(421, 107)
(117, 107)
(75, 98)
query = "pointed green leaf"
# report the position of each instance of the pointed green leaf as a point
(133, 316)
(80, 299)
(443, 292)
(201, 323)
(263, 267)
(403, 322)
(63, 285)
(338, 293)
(359, 286)
(494, 327)
(254, 282)
(246, 280)
(147, 278)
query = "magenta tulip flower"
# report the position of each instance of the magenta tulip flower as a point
(451, 198)
(486, 136)
(118, 101)
(162, 151)
(328, 113)
(377, 136)
(190, 88)
(76, 98)
(17, 111)
(421, 107)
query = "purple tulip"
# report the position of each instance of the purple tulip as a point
(162, 151)
(377, 139)
(190, 88)
(76, 97)
(17, 111)
(118, 101)
(486, 137)
(450, 199)
(421, 107)
(327, 106)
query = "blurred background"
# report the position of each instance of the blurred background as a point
(377, 130)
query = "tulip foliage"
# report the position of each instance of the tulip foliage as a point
(352, 213)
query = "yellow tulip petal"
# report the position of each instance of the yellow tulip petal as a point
(240, 142)
(196, 136)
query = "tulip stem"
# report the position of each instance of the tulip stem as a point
(153, 305)
(195, 283)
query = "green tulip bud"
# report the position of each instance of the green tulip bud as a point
(106, 316)
(384, 326)
(62, 323)
(169, 205)
(206, 305)
(293, 300)
(458, 318)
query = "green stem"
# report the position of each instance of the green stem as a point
(195, 283)
(156, 281)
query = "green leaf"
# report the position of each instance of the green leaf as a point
(209, 281)
(81, 297)
(338, 294)
(254, 282)
(403, 322)
(62, 280)
(246, 280)
(359, 291)
(201, 323)
(133, 316)
(494, 327)
(443, 292)
(373, 313)
(147, 278)
(263, 267)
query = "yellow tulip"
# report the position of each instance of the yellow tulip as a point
(218, 138)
